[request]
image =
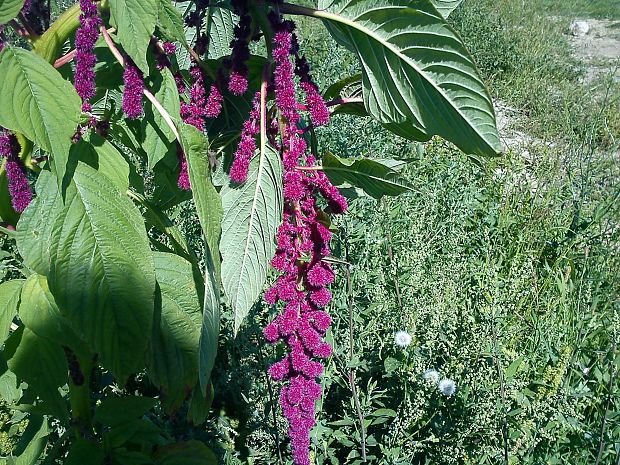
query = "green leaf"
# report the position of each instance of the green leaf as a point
(135, 21)
(10, 292)
(115, 411)
(122, 456)
(445, 7)
(42, 364)
(209, 208)
(9, 9)
(185, 453)
(105, 158)
(173, 355)
(375, 178)
(94, 250)
(512, 369)
(36, 101)
(252, 214)
(85, 452)
(170, 22)
(200, 404)
(158, 136)
(39, 312)
(220, 24)
(418, 78)
(35, 438)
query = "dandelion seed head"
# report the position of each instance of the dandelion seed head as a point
(447, 387)
(431, 375)
(402, 338)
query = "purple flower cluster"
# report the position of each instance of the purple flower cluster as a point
(19, 187)
(183, 181)
(162, 51)
(132, 93)
(247, 145)
(238, 81)
(2, 41)
(319, 114)
(200, 106)
(195, 111)
(85, 59)
(302, 246)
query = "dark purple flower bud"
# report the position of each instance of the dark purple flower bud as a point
(169, 48)
(19, 187)
(183, 181)
(132, 93)
(85, 58)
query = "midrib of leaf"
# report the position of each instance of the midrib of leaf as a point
(372, 177)
(322, 14)
(257, 189)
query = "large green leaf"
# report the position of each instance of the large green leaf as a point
(9, 9)
(158, 136)
(115, 411)
(170, 22)
(10, 292)
(173, 354)
(42, 364)
(85, 452)
(209, 208)
(95, 253)
(35, 439)
(220, 24)
(36, 101)
(375, 178)
(39, 312)
(252, 214)
(445, 7)
(135, 21)
(418, 78)
(185, 453)
(105, 158)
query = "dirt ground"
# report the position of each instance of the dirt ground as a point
(598, 49)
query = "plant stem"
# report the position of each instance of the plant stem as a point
(354, 393)
(610, 386)
(334, 102)
(79, 394)
(147, 93)
(63, 60)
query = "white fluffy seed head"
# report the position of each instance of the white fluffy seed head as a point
(447, 387)
(402, 338)
(431, 376)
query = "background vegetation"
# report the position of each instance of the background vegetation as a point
(505, 273)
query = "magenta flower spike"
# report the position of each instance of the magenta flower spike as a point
(247, 145)
(302, 246)
(132, 93)
(85, 58)
(19, 187)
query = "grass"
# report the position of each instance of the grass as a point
(603, 9)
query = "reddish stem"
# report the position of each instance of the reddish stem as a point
(336, 101)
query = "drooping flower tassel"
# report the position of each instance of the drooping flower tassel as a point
(85, 58)
(19, 187)
(132, 93)
(302, 246)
